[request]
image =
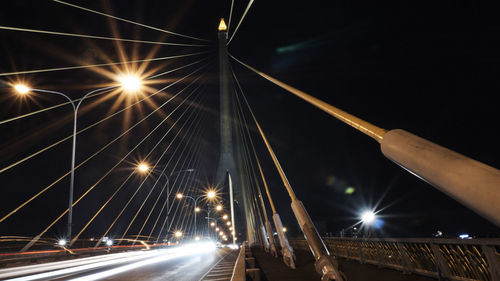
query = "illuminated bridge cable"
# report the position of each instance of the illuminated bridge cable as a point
(264, 181)
(107, 173)
(99, 151)
(95, 124)
(129, 21)
(185, 183)
(171, 189)
(158, 142)
(146, 178)
(191, 164)
(101, 64)
(76, 100)
(241, 20)
(96, 37)
(230, 15)
(252, 181)
(126, 205)
(191, 156)
(369, 129)
(248, 157)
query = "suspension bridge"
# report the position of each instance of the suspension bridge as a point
(160, 168)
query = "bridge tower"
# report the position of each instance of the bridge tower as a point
(227, 163)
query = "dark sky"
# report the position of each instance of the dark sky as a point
(429, 68)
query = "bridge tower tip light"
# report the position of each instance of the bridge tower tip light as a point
(222, 25)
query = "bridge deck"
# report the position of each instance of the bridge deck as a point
(275, 270)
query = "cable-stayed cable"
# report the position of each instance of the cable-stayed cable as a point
(100, 64)
(126, 205)
(105, 175)
(11, 28)
(93, 155)
(241, 20)
(129, 21)
(76, 100)
(174, 110)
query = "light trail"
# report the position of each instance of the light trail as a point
(129, 21)
(100, 64)
(124, 262)
(95, 37)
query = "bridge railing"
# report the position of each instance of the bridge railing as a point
(454, 259)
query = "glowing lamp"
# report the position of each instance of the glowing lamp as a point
(222, 25)
(21, 89)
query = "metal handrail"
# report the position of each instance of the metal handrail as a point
(454, 259)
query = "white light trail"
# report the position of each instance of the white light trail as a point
(124, 261)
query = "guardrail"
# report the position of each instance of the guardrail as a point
(454, 259)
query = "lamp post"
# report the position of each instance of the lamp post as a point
(208, 211)
(210, 195)
(129, 83)
(143, 167)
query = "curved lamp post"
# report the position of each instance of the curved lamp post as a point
(129, 83)
(210, 195)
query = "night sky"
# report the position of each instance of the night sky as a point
(430, 68)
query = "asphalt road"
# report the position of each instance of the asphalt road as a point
(187, 263)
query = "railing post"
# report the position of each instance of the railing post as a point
(493, 264)
(441, 265)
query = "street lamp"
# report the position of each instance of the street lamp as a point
(143, 167)
(368, 217)
(178, 234)
(210, 194)
(225, 217)
(23, 89)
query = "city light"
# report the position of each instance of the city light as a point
(130, 82)
(217, 229)
(225, 217)
(212, 224)
(61, 242)
(179, 195)
(284, 229)
(211, 194)
(109, 242)
(228, 223)
(21, 89)
(221, 233)
(368, 217)
(219, 208)
(143, 167)
(197, 209)
(178, 234)
(197, 238)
